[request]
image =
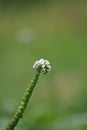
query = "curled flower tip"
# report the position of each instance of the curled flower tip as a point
(44, 64)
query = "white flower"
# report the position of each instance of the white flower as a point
(45, 64)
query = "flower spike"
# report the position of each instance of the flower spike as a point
(41, 66)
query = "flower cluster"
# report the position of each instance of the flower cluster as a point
(45, 64)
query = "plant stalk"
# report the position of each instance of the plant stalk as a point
(20, 111)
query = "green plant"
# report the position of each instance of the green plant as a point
(41, 66)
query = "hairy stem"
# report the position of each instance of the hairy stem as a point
(19, 113)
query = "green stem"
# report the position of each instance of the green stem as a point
(19, 113)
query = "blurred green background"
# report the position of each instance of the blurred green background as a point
(56, 31)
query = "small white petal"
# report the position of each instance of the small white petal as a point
(47, 62)
(35, 64)
(43, 66)
(41, 61)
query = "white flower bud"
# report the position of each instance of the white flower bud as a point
(45, 64)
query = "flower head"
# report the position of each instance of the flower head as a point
(44, 64)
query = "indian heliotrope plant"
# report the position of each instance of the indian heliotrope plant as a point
(41, 66)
